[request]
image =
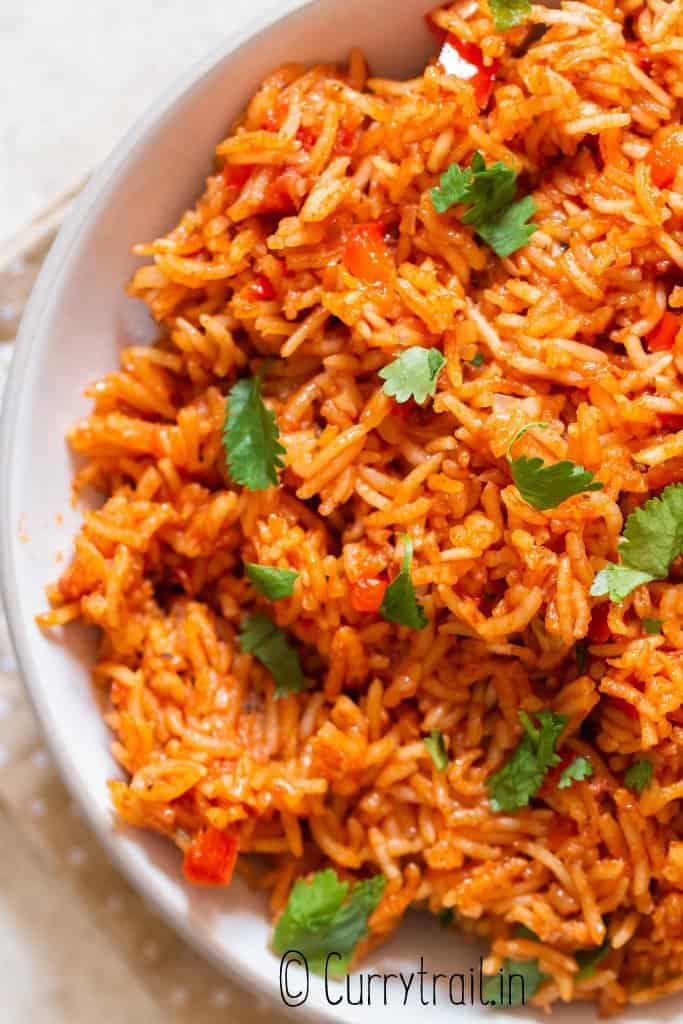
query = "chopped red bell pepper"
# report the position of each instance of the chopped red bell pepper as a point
(210, 858)
(366, 254)
(236, 175)
(599, 631)
(367, 593)
(666, 155)
(466, 61)
(261, 289)
(664, 334)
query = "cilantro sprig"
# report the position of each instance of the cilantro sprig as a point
(267, 642)
(652, 540)
(545, 487)
(639, 775)
(578, 770)
(323, 917)
(520, 779)
(508, 13)
(413, 374)
(270, 581)
(588, 959)
(514, 985)
(652, 626)
(437, 749)
(400, 604)
(489, 194)
(251, 437)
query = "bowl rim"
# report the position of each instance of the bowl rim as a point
(89, 203)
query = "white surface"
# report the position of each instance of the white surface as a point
(77, 73)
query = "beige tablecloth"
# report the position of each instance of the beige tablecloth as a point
(77, 944)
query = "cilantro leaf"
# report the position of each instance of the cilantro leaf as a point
(250, 437)
(491, 190)
(653, 535)
(514, 985)
(477, 359)
(487, 190)
(618, 581)
(267, 642)
(520, 779)
(400, 604)
(545, 487)
(579, 769)
(271, 582)
(413, 375)
(437, 748)
(652, 626)
(508, 13)
(639, 775)
(454, 186)
(653, 539)
(509, 231)
(490, 193)
(588, 959)
(323, 917)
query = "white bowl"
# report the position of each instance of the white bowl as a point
(77, 320)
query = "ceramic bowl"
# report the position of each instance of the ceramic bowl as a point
(78, 319)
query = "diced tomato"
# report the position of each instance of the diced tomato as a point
(306, 137)
(367, 593)
(639, 51)
(261, 289)
(664, 334)
(671, 422)
(630, 710)
(210, 858)
(366, 254)
(466, 61)
(347, 136)
(599, 631)
(279, 197)
(676, 716)
(666, 155)
(236, 175)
